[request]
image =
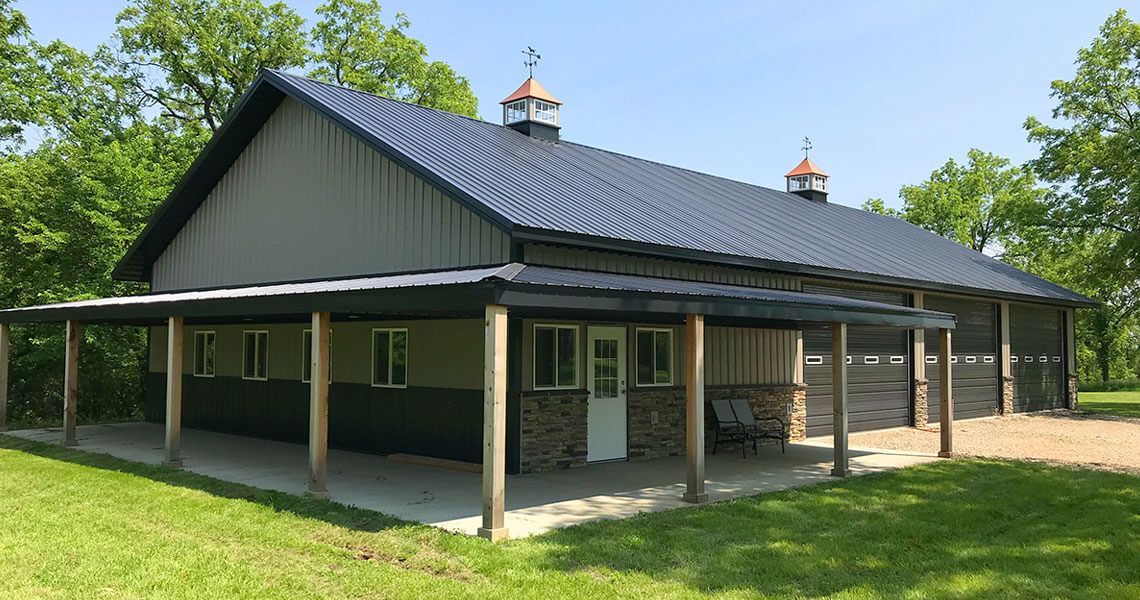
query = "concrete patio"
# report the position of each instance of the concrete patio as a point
(449, 499)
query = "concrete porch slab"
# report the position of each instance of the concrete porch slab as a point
(451, 500)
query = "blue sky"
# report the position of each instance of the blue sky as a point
(887, 91)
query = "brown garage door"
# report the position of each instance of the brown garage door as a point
(974, 342)
(878, 386)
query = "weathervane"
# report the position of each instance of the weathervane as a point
(807, 146)
(532, 59)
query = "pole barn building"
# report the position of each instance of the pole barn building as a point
(344, 270)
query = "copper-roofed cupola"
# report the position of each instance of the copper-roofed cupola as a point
(531, 109)
(807, 179)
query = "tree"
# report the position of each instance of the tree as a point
(877, 206)
(353, 47)
(982, 205)
(1090, 155)
(19, 76)
(194, 58)
(116, 130)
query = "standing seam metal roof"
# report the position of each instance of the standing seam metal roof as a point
(569, 188)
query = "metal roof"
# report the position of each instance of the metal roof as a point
(514, 284)
(562, 191)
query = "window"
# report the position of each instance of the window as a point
(204, 353)
(390, 358)
(819, 183)
(307, 356)
(654, 357)
(545, 111)
(555, 356)
(798, 183)
(256, 355)
(516, 111)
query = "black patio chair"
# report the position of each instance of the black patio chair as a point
(730, 429)
(775, 429)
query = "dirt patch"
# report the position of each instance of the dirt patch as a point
(1076, 438)
(425, 561)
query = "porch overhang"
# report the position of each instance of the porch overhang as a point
(465, 293)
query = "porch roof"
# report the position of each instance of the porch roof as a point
(528, 288)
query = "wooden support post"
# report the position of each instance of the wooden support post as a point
(494, 423)
(319, 407)
(945, 393)
(5, 338)
(695, 409)
(71, 383)
(919, 341)
(174, 393)
(839, 397)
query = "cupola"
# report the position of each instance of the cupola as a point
(532, 110)
(808, 180)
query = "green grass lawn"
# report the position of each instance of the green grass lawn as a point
(75, 525)
(1124, 404)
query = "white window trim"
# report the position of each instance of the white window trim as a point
(407, 357)
(534, 356)
(194, 349)
(244, 338)
(309, 331)
(637, 366)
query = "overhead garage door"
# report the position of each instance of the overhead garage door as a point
(1035, 339)
(974, 343)
(878, 376)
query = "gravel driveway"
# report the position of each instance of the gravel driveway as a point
(1086, 439)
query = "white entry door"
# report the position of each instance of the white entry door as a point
(606, 417)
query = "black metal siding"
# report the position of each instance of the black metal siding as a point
(444, 423)
(878, 395)
(1036, 332)
(977, 374)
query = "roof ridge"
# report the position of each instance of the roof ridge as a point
(346, 88)
(482, 121)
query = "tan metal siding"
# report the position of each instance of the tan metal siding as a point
(609, 262)
(441, 353)
(307, 200)
(746, 356)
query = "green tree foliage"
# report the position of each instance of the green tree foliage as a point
(19, 77)
(1090, 154)
(194, 59)
(116, 129)
(982, 204)
(354, 47)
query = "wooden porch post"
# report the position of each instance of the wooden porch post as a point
(319, 407)
(695, 409)
(174, 393)
(945, 396)
(839, 397)
(71, 383)
(494, 423)
(5, 337)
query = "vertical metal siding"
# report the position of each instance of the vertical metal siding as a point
(747, 356)
(308, 200)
